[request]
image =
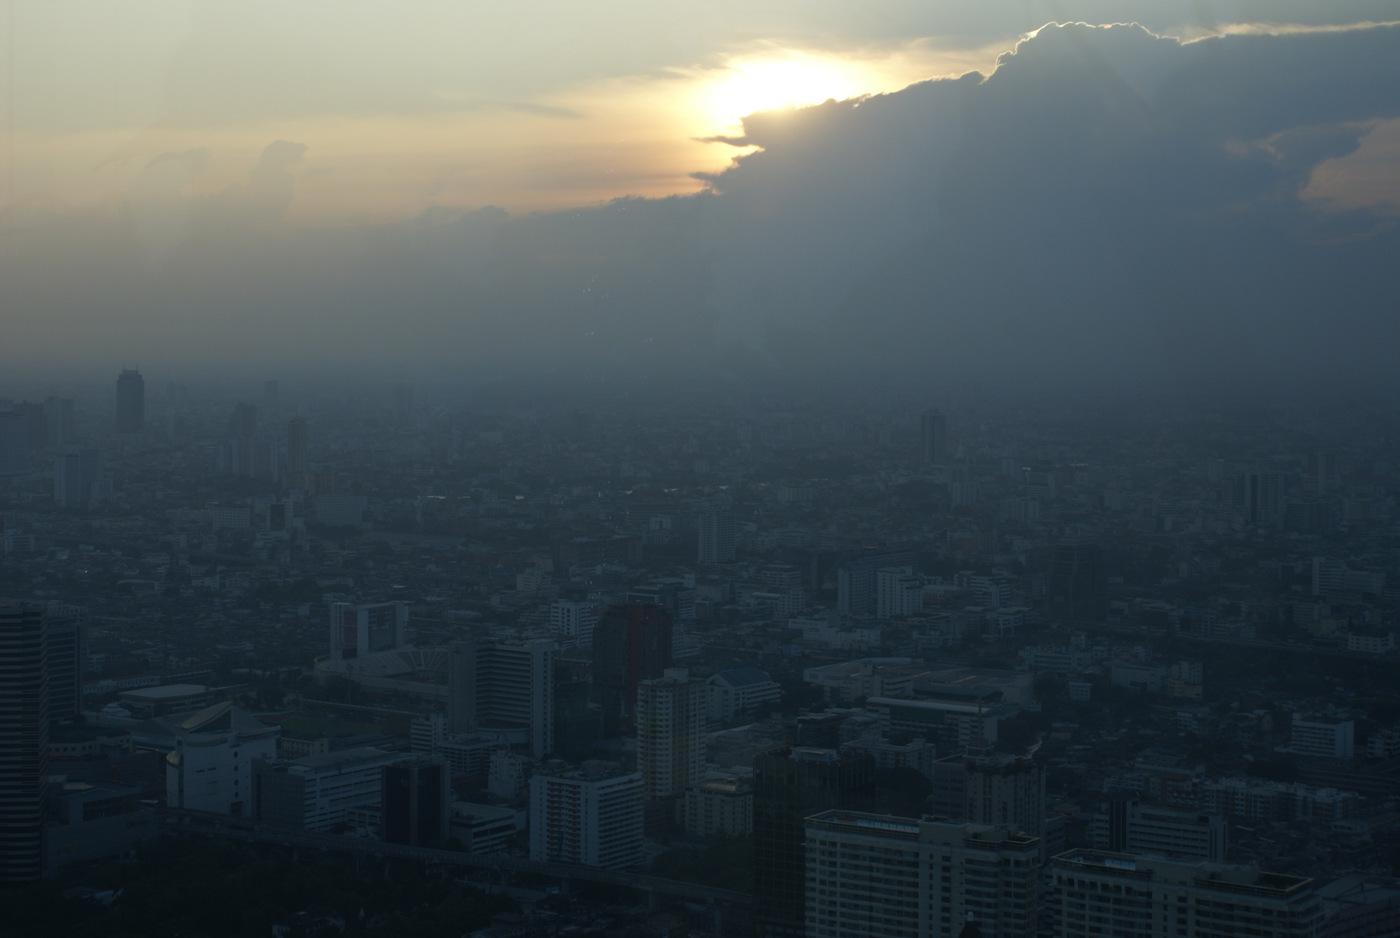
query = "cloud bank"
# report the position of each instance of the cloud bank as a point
(1107, 208)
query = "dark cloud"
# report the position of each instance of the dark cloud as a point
(1109, 207)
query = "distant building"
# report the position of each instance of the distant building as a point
(716, 528)
(131, 402)
(14, 441)
(891, 877)
(1132, 827)
(718, 807)
(789, 785)
(1103, 893)
(670, 733)
(211, 767)
(1323, 738)
(573, 622)
(592, 815)
(298, 464)
(631, 644)
(416, 804)
(739, 691)
(364, 629)
(77, 479)
(503, 686)
(1076, 590)
(315, 793)
(24, 742)
(933, 437)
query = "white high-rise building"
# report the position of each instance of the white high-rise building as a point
(362, 630)
(592, 816)
(1323, 738)
(211, 768)
(898, 593)
(671, 723)
(504, 686)
(876, 876)
(573, 621)
(1099, 893)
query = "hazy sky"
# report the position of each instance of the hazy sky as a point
(422, 183)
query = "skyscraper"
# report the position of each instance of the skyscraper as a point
(24, 739)
(131, 402)
(789, 785)
(503, 685)
(298, 465)
(592, 815)
(716, 536)
(77, 479)
(1076, 588)
(631, 643)
(670, 737)
(933, 437)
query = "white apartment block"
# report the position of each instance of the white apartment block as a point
(875, 876)
(670, 733)
(1333, 739)
(315, 793)
(1102, 894)
(591, 816)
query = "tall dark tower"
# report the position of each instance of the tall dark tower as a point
(631, 644)
(791, 784)
(933, 437)
(298, 465)
(24, 740)
(131, 402)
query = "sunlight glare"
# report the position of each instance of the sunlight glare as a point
(748, 86)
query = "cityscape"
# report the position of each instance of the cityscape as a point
(790, 660)
(799, 469)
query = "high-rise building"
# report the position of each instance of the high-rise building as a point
(503, 686)
(874, 876)
(24, 739)
(1076, 590)
(573, 621)
(592, 815)
(670, 734)
(716, 527)
(131, 402)
(243, 424)
(314, 793)
(631, 644)
(63, 660)
(77, 479)
(933, 437)
(58, 414)
(364, 629)
(298, 463)
(1132, 827)
(1263, 495)
(416, 805)
(1101, 893)
(1006, 791)
(898, 593)
(14, 441)
(857, 588)
(789, 785)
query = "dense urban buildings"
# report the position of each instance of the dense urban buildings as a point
(24, 739)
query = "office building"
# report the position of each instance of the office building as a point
(24, 739)
(1094, 893)
(1006, 791)
(211, 766)
(631, 644)
(947, 724)
(718, 807)
(716, 527)
(14, 441)
(1322, 738)
(314, 793)
(58, 417)
(243, 423)
(416, 803)
(364, 629)
(789, 785)
(131, 402)
(505, 687)
(298, 462)
(483, 828)
(1132, 827)
(738, 691)
(592, 815)
(63, 660)
(933, 437)
(670, 740)
(77, 479)
(876, 876)
(856, 579)
(573, 621)
(898, 593)
(1076, 590)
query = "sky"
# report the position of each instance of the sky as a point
(1204, 193)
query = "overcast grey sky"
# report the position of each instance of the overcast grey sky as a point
(561, 188)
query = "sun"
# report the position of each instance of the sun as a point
(746, 86)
